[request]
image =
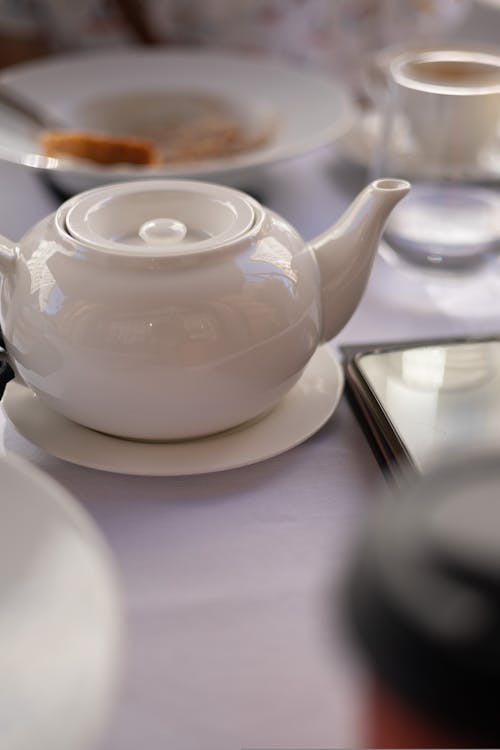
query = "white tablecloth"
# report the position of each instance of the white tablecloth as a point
(233, 630)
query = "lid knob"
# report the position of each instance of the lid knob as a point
(159, 231)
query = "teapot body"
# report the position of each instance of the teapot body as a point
(170, 309)
(161, 348)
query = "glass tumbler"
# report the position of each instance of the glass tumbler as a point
(439, 130)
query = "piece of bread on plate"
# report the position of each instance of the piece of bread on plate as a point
(99, 148)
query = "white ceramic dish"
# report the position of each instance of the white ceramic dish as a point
(302, 412)
(304, 110)
(60, 622)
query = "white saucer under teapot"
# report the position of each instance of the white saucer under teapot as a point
(166, 310)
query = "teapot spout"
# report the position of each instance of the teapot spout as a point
(345, 252)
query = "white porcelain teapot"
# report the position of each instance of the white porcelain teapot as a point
(166, 310)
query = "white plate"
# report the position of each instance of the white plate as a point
(302, 412)
(60, 622)
(305, 109)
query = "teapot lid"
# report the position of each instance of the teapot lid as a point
(159, 217)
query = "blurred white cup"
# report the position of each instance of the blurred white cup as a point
(451, 99)
(61, 628)
(440, 130)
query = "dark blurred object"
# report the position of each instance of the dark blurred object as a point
(36, 28)
(423, 603)
(338, 37)
(15, 50)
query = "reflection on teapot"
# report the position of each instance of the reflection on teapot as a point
(174, 309)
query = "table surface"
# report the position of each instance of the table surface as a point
(231, 580)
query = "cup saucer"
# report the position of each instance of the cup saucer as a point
(297, 416)
(358, 146)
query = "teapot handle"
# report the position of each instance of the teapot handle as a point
(6, 371)
(7, 255)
